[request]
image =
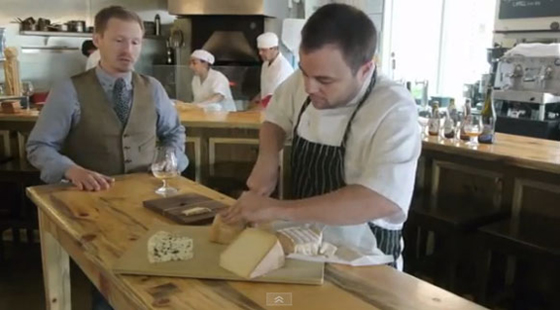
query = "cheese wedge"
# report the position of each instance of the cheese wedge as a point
(196, 211)
(223, 233)
(253, 253)
(164, 247)
(300, 240)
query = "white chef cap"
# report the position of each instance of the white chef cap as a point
(203, 55)
(267, 40)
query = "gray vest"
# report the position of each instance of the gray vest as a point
(99, 142)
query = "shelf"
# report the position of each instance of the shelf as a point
(48, 49)
(527, 31)
(74, 34)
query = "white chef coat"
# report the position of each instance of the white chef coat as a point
(274, 73)
(93, 60)
(383, 146)
(215, 83)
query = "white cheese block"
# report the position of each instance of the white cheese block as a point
(300, 240)
(327, 249)
(164, 247)
(196, 211)
(253, 253)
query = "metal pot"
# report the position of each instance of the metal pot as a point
(77, 25)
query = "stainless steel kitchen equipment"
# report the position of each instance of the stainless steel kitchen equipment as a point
(527, 91)
(227, 29)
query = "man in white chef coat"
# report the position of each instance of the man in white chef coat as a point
(92, 53)
(354, 136)
(275, 68)
(210, 87)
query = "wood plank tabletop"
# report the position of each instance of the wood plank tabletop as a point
(96, 228)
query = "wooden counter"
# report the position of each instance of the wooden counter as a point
(512, 150)
(189, 118)
(225, 146)
(516, 174)
(197, 118)
(212, 138)
(94, 229)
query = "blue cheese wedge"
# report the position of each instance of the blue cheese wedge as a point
(164, 247)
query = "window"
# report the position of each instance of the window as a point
(442, 41)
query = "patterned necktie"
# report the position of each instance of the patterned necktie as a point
(120, 100)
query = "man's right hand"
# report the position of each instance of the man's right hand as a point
(88, 180)
(264, 177)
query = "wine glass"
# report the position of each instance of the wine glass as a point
(28, 91)
(164, 167)
(473, 128)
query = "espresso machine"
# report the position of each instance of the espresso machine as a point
(527, 91)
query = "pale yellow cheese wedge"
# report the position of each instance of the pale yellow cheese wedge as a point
(253, 253)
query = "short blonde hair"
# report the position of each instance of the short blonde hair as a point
(102, 17)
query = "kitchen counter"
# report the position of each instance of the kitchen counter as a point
(72, 225)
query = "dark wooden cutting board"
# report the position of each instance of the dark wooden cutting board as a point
(172, 208)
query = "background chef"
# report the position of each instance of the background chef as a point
(210, 87)
(275, 67)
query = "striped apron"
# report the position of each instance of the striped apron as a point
(318, 169)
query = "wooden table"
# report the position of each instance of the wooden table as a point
(95, 229)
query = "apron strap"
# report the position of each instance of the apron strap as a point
(349, 125)
(360, 104)
(305, 105)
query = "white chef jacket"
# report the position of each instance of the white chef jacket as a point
(215, 83)
(93, 60)
(273, 74)
(384, 143)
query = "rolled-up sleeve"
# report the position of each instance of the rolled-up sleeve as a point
(390, 167)
(51, 129)
(170, 132)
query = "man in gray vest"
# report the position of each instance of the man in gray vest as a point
(105, 121)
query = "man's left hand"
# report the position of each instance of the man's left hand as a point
(253, 208)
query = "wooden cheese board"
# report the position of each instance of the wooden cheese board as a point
(205, 263)
(174, 207)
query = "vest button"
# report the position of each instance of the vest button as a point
(125, 135)
(128, 161)
(127, 147)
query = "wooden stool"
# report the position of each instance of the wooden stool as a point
(535, 239)
(453, 223)
(22, 213)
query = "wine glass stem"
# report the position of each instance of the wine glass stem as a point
(164, 183)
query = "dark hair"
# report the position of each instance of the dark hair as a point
(344, 26)
(103, 17)
(88, 46)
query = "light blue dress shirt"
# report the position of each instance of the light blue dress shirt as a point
(62, 113)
